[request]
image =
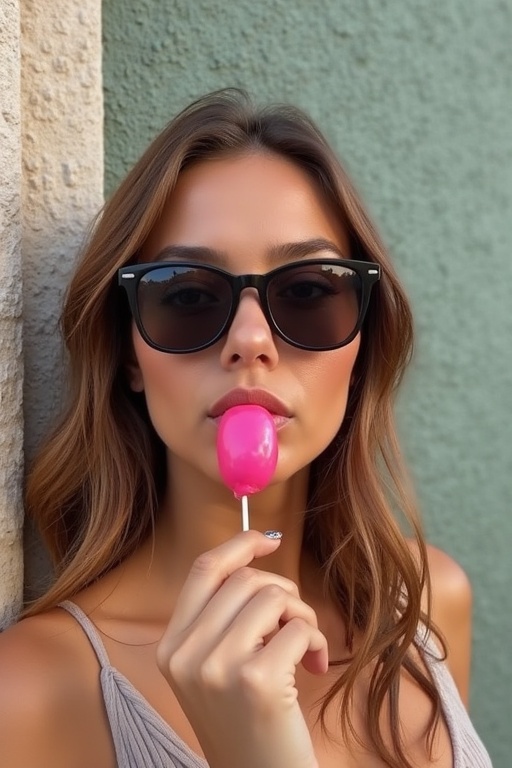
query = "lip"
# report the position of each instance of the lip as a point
(240, 396)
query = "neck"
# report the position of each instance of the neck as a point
(198, 514)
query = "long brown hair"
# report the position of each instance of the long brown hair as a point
(94, 488)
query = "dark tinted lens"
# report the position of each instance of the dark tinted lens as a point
(316, 305)
(183, 308)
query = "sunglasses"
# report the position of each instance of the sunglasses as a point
(313, 304)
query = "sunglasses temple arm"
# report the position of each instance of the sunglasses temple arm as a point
(245, 513)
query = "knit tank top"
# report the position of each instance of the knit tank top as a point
(142, 738)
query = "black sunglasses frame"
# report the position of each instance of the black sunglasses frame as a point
(129, 277)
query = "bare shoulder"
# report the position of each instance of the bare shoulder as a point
(28, 650)
(452, 595)
(450, 582)
(451, 611)
(49, 691)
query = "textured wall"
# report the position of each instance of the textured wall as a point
(62, 141)
(11, 366)
(417, 97)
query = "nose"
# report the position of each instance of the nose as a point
(249, 339)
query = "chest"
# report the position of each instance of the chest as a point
(334, 748)
(331, 747)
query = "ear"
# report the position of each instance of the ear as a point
(134, 375)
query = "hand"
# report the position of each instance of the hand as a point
(230, 652)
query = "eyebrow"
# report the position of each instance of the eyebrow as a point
(301, 249)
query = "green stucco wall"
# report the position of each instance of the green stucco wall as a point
(417, 98)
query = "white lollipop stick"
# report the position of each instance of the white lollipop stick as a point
(245, 513)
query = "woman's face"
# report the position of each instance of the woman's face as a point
(241, 208)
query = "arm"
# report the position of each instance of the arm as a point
(451, 613)
(50, 715)
(28, 729)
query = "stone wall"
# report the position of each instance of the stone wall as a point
(51, 129)
(11, 364)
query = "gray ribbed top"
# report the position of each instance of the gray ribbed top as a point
(142, 738)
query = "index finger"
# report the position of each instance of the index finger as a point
(211, 569)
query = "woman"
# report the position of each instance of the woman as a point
(317, 643)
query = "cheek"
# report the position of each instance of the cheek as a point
(330, 383)
(153, 373)
(325, 380)
(165, 393)
(169, 384)
(333, 371)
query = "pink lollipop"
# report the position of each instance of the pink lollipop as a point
(246, 452)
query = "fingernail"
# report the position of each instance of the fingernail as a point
(273, 534)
